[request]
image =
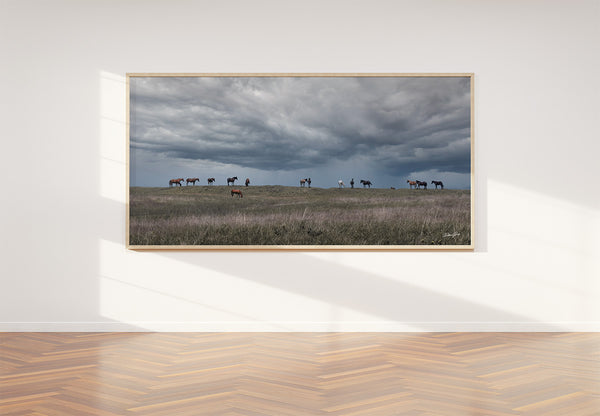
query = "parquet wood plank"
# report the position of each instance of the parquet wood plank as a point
(299, 374)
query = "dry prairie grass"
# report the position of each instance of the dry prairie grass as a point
(278, 215)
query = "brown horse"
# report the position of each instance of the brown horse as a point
(231, 180)
(411, 184)
(175, 182)
(192, 180)
(303, 182)
(210, 180)
(237, 192)
(438, 183)
(247, 181)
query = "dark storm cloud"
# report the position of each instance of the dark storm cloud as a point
(283, 123)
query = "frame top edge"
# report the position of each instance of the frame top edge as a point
(300, 74)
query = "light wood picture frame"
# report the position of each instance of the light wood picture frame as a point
(300, 161)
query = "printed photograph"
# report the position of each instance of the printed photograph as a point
(301, 161)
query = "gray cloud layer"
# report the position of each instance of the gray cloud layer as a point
(394, 124)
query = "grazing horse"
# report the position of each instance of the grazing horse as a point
(192, 180)
(231, 180)
(438, 183)
(175, 182)
(340, 184)
(303, 182)
(365, 183)
(247, 181)
(210, 180)
(421, 183)
(411, 184)
(352, 183)
(237, 192)
(391, 187)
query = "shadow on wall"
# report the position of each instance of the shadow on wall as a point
(357, 290)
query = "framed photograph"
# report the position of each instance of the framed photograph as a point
(300, 161)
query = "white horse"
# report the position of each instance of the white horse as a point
(340, 184)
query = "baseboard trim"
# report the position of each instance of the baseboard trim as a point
(290, 326)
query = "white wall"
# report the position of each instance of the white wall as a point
(63, 262)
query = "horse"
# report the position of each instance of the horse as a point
(231, 180)
(340, 184)
(352, 183)
(237, 192)
(365, 183)
(175, 182)
(210, 180)
(421, 183)
(391, 187)
(308, 181)
(303, 182)
(438, 183)
(247, 181)
(192, 180)
(411, 184)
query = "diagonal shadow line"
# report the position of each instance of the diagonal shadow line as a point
(348, 287)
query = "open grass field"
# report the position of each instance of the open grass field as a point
(282, 215)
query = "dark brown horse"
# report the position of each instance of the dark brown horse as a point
(421, 184)
(438, 183)
(237, 192)
(175, 182)
(231, 180)
(365, 183)
(247, 181)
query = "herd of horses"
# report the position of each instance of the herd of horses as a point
(303, 182)
(423, 185)
(210, 181)
(363, 182)
(306, 181)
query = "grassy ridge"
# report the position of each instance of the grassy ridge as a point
(281, 215)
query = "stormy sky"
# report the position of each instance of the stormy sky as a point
(276, 130)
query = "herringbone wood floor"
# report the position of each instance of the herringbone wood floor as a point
(299, 374)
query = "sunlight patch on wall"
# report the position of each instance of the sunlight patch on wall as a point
(147, 288)
(541, 260)
(549, 244)
(112, 136)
